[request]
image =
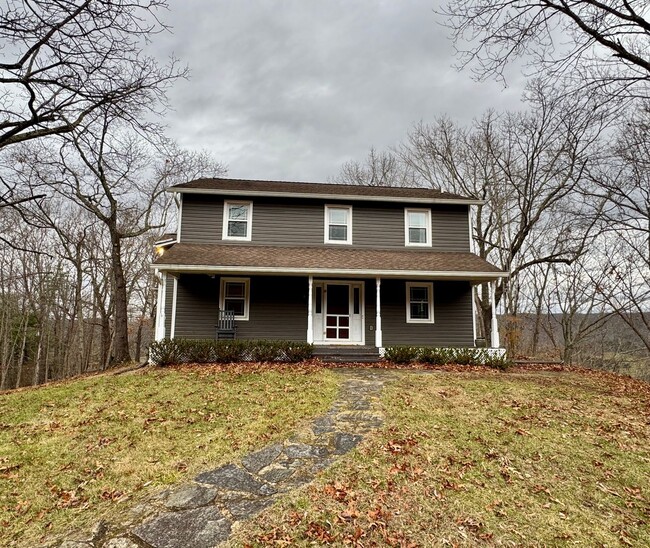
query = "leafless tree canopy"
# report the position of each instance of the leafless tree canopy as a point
(595, 42)
(61, 60)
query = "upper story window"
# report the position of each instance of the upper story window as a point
(338, 224)
(417, 227)
(419, 302)
(237, 221)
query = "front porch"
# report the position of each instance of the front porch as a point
(325, 311)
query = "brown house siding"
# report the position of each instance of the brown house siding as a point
(302, 222)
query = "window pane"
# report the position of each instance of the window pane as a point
(237, 228)
(344, 333)
(319, 300)
(236, 305)
(238, 212)
(235, 289)
(338, 216)
(344, 321)
(357, 300)
(417, 219)
(338, 233)
(420, 294)
(418, 235)
(331, 333)
(419, 311)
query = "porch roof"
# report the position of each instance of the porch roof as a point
(332, 261)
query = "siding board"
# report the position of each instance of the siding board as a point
(302, 222)
(197, 306)
(452, 312)
(278, 311)
(169, 296)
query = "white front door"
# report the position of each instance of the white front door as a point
(338, 313)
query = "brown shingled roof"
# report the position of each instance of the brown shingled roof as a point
(332, 260)
(245, 186)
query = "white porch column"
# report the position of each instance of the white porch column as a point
(310, 311)
(378, 332)
(495, 324)
(160, 305)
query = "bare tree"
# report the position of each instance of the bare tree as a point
(525, 165)
(379, 169)
(623, 182)
(601, 43)
(62, 60)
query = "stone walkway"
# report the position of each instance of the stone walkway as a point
(202, 513)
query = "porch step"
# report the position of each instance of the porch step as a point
(347, 354)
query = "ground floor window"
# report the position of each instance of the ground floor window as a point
(235, 296)
(419, 302)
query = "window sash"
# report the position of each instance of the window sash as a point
(235, 296)
(338, 224)
(417, 227)
(237, 220)
(419, 302)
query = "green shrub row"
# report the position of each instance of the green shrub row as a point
(175, 351)
(442, 356)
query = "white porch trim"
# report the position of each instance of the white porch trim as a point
(310, 311)
(174, 294)
(160, 306)
(495, 324)
(378, 331)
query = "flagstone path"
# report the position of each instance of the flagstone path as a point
(202, 513)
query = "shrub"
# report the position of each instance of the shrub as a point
(175, 351)
(442, 356)
(402, 354)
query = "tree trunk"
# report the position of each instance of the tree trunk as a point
(121, 351)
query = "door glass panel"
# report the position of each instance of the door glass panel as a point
(344, 333)
(338, 299)
(331, 321)
(319, 300)
(331, 333)
(344, 321)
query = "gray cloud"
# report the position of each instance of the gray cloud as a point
(291, 89)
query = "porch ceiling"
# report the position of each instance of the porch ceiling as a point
(333, 261)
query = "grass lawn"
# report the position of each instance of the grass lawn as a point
(79, 451)
(530, 458)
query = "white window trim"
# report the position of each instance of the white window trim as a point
(249, 221)
(429, 286)
(327, 225)
(427, 211)
(247, 294)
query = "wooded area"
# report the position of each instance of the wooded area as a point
(84, 161)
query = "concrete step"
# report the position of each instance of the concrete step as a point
(351, 354)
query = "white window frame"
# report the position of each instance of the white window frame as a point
(427, 227)
(348, 241)
(247, 294)
(429, 286)
(249, 220)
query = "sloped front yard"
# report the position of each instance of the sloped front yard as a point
(73, 453)
(485, 458)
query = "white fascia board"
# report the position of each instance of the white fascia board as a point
(439, 275)
(318, 196)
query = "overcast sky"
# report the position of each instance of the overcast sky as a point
(291, 89)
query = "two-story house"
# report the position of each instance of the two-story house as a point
(323, 263)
